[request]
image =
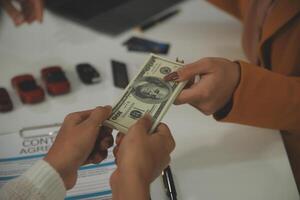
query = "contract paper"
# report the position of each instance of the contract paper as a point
(17, 154)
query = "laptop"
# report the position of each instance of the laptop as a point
(109, 16)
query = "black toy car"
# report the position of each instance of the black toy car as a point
(87, 73)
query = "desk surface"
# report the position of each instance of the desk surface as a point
(212, 160)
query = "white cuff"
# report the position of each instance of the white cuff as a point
(46, 179)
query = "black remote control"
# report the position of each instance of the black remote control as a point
(120, 75)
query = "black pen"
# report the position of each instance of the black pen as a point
(157, 20)
(169, 183)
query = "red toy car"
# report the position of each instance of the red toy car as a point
(55, 80)
(29, 92)
(5, 101)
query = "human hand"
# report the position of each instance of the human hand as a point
(81, 140)
(140, 158)
(219, 78)
(30, 10)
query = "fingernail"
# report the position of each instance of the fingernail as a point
(148, 116)
(172, 76)
(108, 107)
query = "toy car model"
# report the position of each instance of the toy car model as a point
(55, 80)
(27, 89)
(5, 101)
(87, 73)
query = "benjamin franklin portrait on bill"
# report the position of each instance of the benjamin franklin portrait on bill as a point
(151, 90)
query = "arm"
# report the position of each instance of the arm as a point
(258, 97)
(41, 181)
(82, 141)
(266, 99)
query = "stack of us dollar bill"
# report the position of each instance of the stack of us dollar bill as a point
(146, 93)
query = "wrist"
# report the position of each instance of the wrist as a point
(129, 185)
(67, 171)
(225, 109)
(45, 178)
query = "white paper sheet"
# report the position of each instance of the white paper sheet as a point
(17, 154)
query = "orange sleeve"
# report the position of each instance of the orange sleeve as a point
(266, 99)
(233, 7)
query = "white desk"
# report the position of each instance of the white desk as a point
(212, 160)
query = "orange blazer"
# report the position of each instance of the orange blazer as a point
(269, 96)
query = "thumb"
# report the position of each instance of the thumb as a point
(97, 116)
(143, 124)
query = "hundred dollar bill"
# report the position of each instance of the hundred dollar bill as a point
(146, 93)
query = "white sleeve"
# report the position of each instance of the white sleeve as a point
(41, 181)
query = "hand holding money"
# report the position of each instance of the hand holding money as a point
(82, 141)
(140, 159)
(147, 93)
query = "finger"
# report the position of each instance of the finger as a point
(26, 10)
(186, 73)
(164, 138)
(98, 116)
(99, 157)
(119, 138)
(188, 96)
(104, 140)
(104, 132)
(13, 12)
(143, 124)
(38, 7)
(88, 161)
(172, 76)
(77, 117)
(106, 143)
(32, 10)
(189, 83)
(116, 161)
(190, 70)
(193, 69)
(115, 151)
